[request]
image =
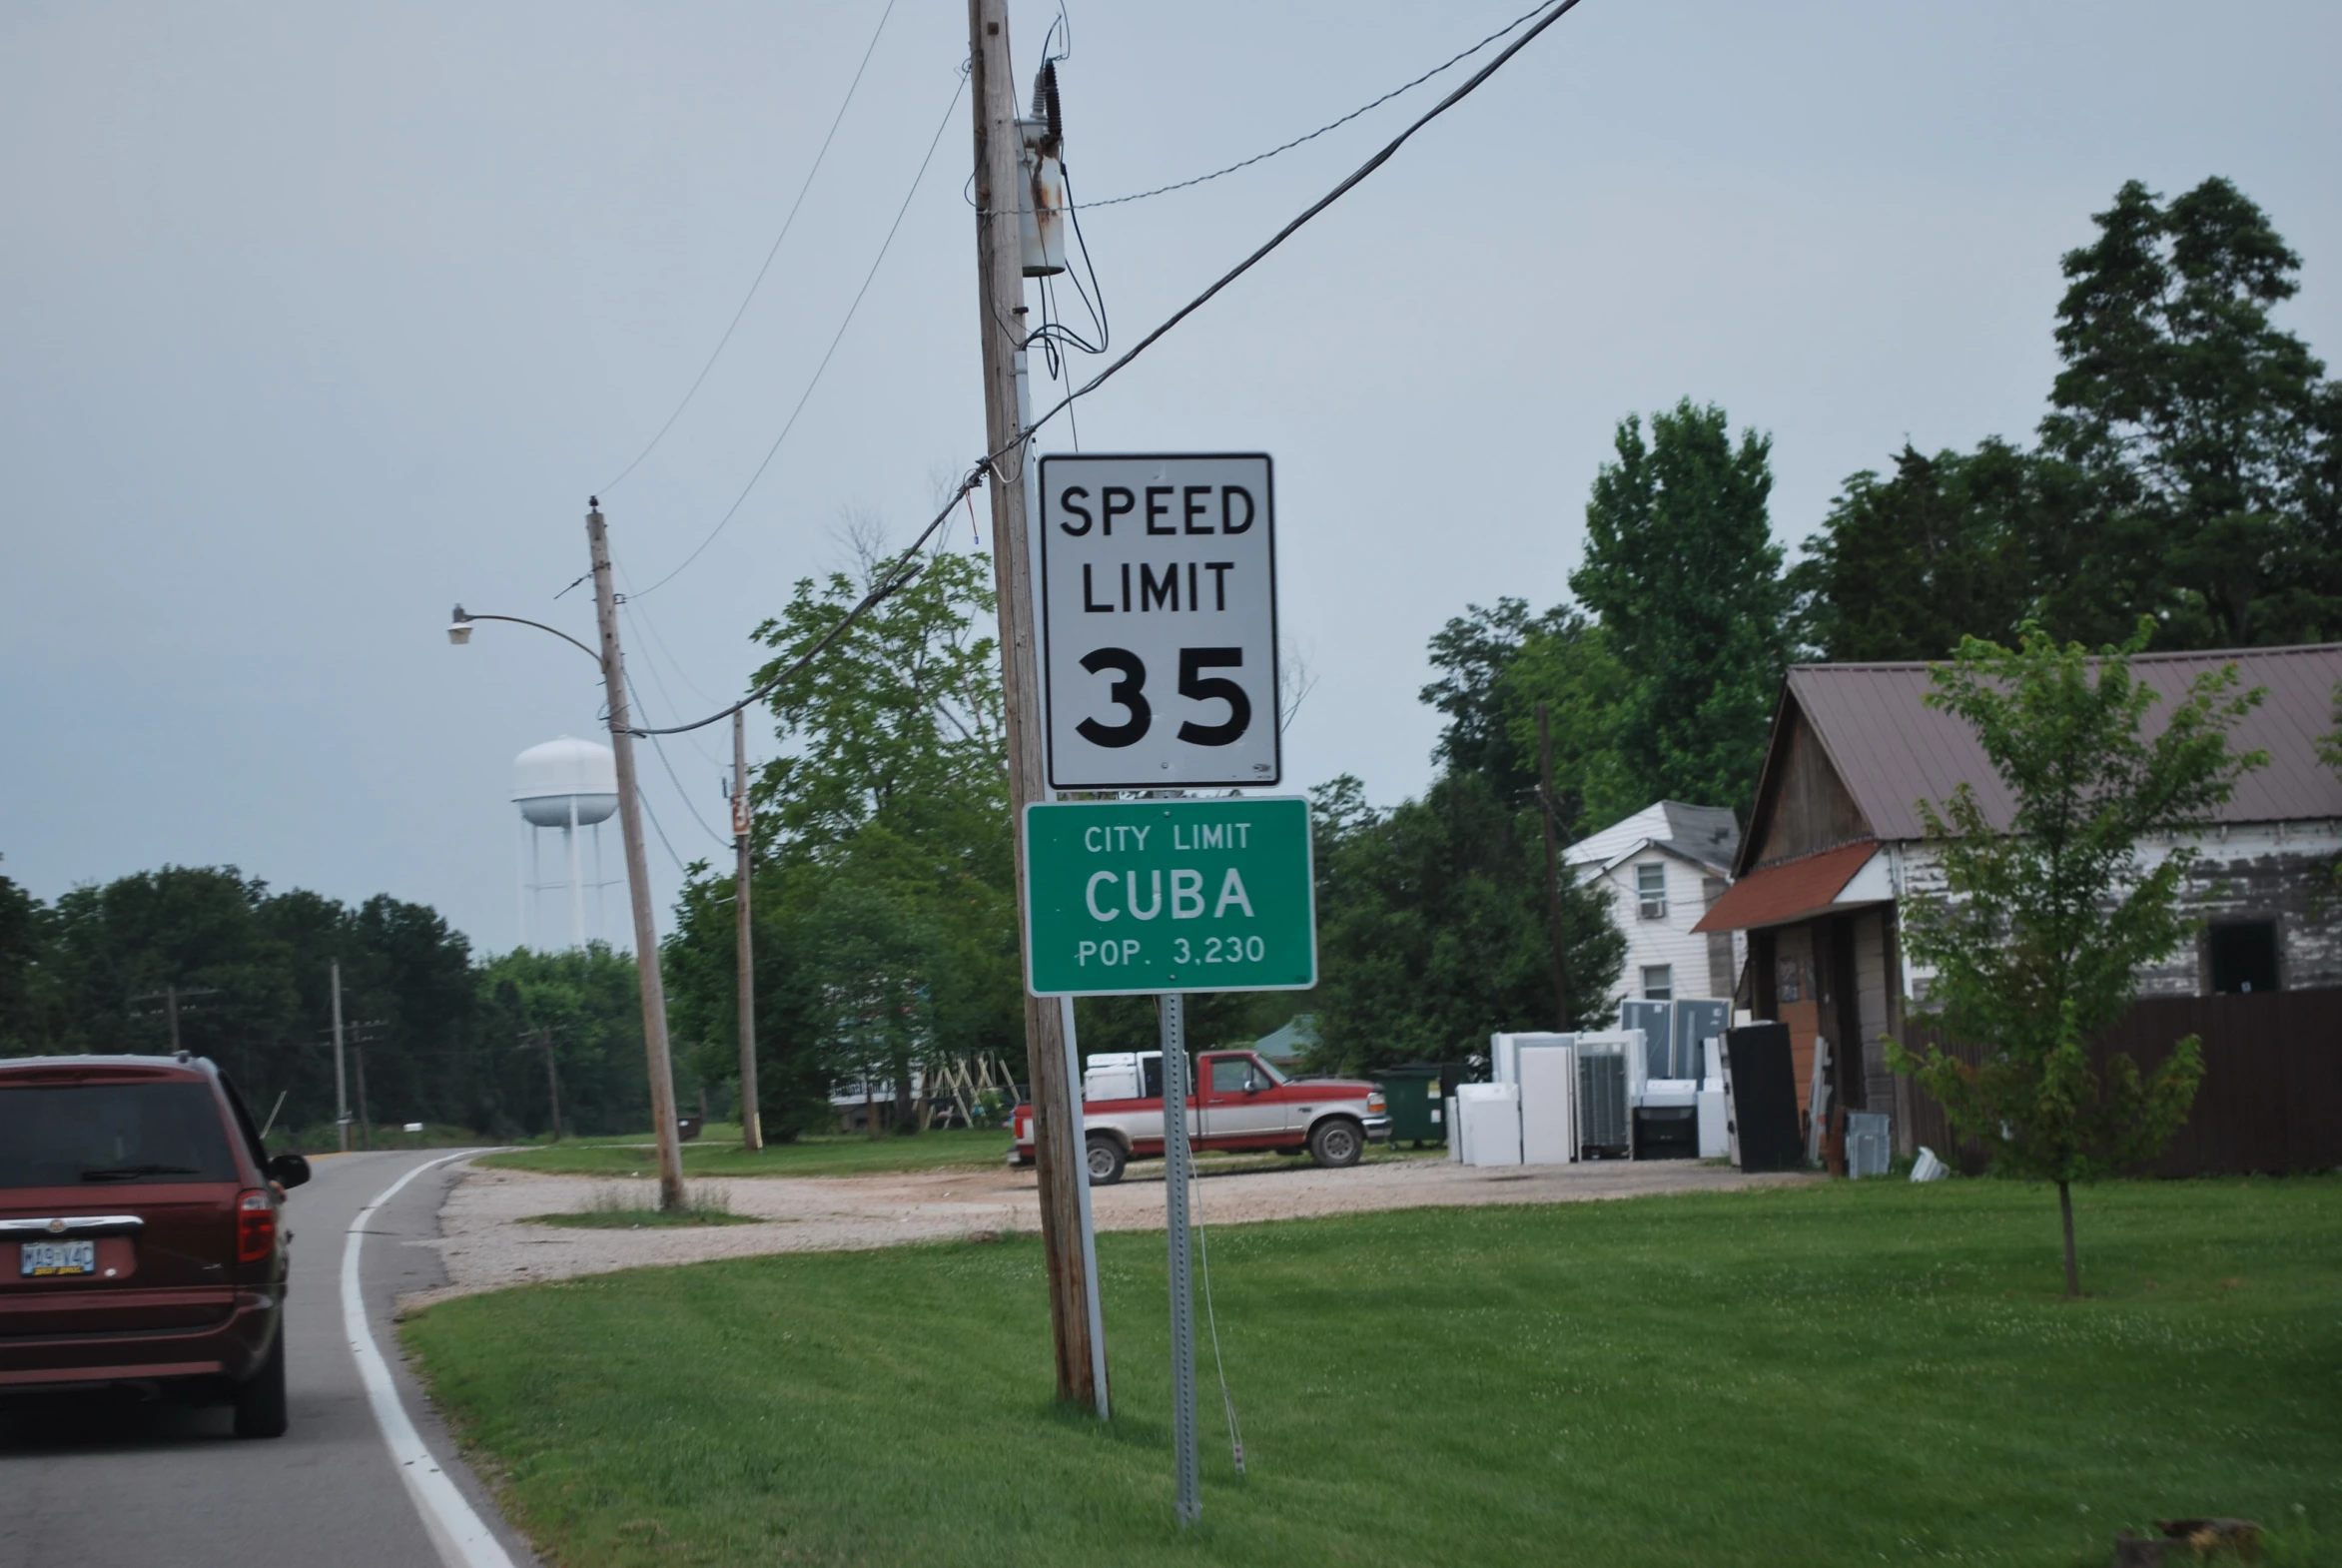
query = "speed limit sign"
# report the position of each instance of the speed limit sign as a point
(1157, 599)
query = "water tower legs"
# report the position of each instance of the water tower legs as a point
(577, 880)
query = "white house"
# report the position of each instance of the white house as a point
(1662, 868)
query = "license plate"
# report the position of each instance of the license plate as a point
(49, 1259)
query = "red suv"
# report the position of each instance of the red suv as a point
(139, 1235)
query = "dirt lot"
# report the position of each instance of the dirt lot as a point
(488, 1241)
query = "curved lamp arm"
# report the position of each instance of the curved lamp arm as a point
(459, 631)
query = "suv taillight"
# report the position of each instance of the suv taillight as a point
(255, 1227)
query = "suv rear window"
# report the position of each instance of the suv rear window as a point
(110, 1134)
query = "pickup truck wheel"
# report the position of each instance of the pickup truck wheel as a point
(1336, 1142)
(260, 1402)
(1106, 1159)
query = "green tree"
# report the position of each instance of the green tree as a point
(1907, 566)
(1681, 572)
(2038, 935)
(586, 1003)
(1432, 926)
(2207, 434)
(900, 717)
(892, 782)
(1568, 666)
(1474, 653)
(25, 980)
(251, 972)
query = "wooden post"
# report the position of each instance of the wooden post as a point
(1546, 811)
(552, 1082)
(751, 1119)
(1001, 317)
(646, 932)
(366, 1121)
(340, 1074)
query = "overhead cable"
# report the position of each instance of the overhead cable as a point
(898, 574)
(1331, 125)
(634, 699)
(758, 282)
(839, 336)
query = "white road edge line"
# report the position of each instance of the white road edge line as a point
(463, 1539)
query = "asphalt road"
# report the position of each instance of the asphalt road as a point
(92, 1484)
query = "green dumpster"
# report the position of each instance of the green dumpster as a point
(1416, 1094)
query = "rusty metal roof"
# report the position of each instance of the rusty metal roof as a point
(1773, 895)
(1892, 750)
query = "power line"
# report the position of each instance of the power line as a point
(660, 829)
(899, 575)
(1331, 125)
(840, 336)
(758, 282)
(653, 646)
(1552, 15)
(634, 695)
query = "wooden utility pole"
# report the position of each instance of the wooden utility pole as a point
(751, 1119)
(341, 1076)
(544, 1036)
(366, 1121)
(646, 934)
(1000, 303)
(1546, 812)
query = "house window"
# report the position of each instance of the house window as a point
(1651, 891)
(2244, 957)
(1658, 981)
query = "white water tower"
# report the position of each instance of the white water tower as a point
(566, 784)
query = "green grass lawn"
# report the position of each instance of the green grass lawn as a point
(1828, 1374)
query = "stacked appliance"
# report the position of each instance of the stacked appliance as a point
(1677, 1092)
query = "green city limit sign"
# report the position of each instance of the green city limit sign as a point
(1133, 897)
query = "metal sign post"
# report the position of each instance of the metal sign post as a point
(1091, 1302)
(1163, 898)
(1156, 592)
(1177, 1160)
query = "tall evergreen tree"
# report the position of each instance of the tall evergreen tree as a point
(1683, 574)
(2208, 434)
(1905, 566)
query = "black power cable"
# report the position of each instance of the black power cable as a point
(898, 575)
(831, 353)
(757, 282)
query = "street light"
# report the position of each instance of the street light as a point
(459, 631)
(646, 944)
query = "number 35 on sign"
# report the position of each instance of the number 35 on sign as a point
(1157, 599)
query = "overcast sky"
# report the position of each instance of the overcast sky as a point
(316, 320)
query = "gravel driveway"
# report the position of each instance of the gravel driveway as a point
(487, 1241)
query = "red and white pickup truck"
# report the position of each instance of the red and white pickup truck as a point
(1243, 1104)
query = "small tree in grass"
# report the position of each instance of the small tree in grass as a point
(2038, 937)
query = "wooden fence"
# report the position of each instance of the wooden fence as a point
(2271, 1096)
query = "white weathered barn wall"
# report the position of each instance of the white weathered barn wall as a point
(2281, 870)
